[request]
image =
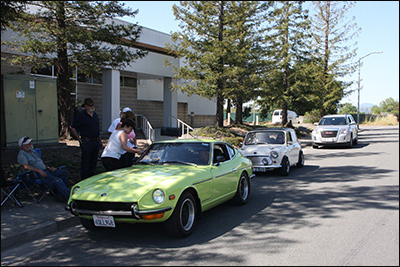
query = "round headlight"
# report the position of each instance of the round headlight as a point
(158, 196)
(274, 154)
(75, 189)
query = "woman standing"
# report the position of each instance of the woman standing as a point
(117, 144)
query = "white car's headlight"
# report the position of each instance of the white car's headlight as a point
(344, 130)
(158, 196)
(274, 154)
(316, 131)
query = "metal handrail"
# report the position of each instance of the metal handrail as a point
(147, 129)
(183, 126)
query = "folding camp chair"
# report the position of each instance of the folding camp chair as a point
(33, 182)
(8, 189)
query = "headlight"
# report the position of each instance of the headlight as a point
(344, 130)
(274, 154)
(158, 196)
(316, 131)
(75, 190)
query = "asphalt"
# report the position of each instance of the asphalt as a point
(36, 220)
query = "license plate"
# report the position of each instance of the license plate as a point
(103, 221)
(330, 140)
(259, 169)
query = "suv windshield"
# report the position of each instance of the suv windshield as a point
(333, 121)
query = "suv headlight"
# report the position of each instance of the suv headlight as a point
(274, 154)
(158, 196)
(344, 131)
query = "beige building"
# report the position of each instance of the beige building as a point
(144, 86)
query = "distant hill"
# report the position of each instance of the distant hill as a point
(366, 107)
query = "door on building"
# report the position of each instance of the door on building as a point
(30, 108)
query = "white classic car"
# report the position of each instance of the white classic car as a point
(333, 130)
(273, 148)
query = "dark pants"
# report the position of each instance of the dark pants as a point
(90, 152)
(127, 159)
(111, 164)
(58, 180)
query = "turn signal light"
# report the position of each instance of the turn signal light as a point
(153, 216)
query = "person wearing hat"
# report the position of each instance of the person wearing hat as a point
(30, 160)
(117, 121)
(86, 129)
(126, 157)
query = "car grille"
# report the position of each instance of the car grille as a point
(257, 161)
(105, 206)
(329, 134)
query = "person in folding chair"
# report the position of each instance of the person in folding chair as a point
(55, 178)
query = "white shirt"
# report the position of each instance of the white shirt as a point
(114, 125)
(113, 148)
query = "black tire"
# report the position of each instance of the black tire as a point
(89, 224)
(351, 141)
(243, 190)
(285, 169)
(184, 218)
(300, 163)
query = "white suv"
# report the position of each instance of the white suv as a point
(340, 129)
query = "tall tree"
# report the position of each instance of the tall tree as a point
(202, 46)
(219, 43)
(244, 63)
(332, 33)
(286, 44)
(74, 33)
(10, 11)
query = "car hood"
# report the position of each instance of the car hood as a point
(130, 184)
(261, 149)
(330, 127)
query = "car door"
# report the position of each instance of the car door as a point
(293, 147)
(353, 126)
(223, 172)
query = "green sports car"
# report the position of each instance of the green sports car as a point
(173, 182)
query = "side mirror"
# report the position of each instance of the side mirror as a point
(316, 123)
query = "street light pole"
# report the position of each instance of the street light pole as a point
(359, 87)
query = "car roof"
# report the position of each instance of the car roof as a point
(335, 115)
(271, 129)
(191, 141)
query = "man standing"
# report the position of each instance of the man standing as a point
(86, 129)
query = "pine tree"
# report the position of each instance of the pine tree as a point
(332, 32)
(219, 44)
(286, 44)
(74, 33)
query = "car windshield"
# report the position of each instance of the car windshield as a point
(265, 137)
(177, 153)
(333, 121)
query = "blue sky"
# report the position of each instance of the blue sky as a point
(379, 22)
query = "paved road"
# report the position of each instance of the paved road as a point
(342, 208)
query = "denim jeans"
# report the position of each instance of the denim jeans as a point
(58, 180)
(90, 152)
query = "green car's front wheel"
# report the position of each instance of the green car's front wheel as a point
(183, 219)
(243, 190)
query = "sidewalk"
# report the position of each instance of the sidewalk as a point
(35, 220)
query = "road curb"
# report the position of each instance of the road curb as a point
(40, 230)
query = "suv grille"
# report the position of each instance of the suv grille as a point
(329, 134)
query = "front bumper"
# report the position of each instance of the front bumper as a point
(263, 163)
(133, 212)
(339, 139)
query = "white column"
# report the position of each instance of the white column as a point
(111, 97)
(170, 114)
